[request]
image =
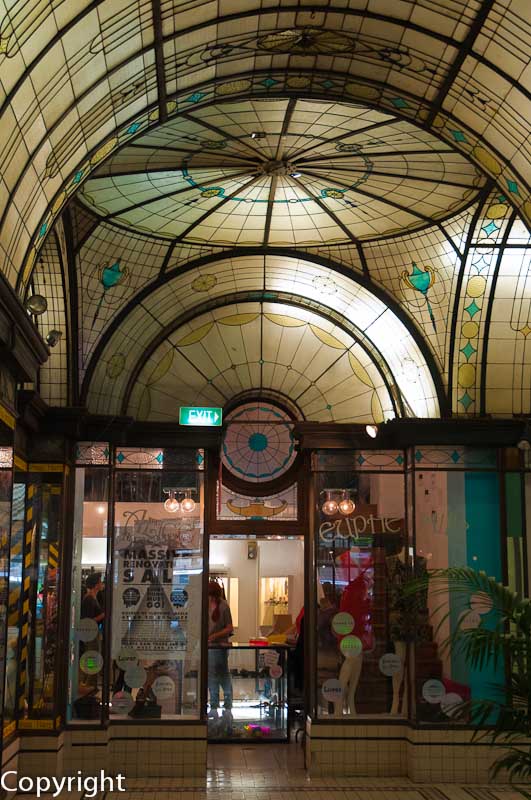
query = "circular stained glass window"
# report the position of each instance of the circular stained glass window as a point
(258, 444)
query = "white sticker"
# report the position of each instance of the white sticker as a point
(87, 630)
(390, 664)
(450, 702)
(481, 603)
(343, 623)
(122, 702)
(275, 671)
(91, 662)
(332, 690)
(127, 658)
(433, 691)
(163, 687)
(135, 677)
(351, 646)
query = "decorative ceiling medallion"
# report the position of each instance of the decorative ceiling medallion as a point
(307, 40)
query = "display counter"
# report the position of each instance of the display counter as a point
(257, 677)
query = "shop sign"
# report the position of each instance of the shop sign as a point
(200, 415)
(358, 527)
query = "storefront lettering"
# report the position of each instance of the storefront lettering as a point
(354, 527)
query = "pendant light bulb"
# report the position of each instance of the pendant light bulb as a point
(188, 504)
(172, 504)
(346, 505)
(329, 506)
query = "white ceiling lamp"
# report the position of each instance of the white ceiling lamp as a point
(372, 431)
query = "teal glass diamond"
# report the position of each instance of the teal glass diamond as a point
(269, 82)
(399, 102)
(467, 350)
(329, 407)
(77, 177)
(399, 460)
(199, 458)
(466, 401)
(472, 309)
(512, 186)
(120, 457)
(455, 456)
(361, 460)
(490, 228)
(418, 456)
(106, 452)
(159, 458)
(43, 229)
(459, 136)
(195, 97)
(502, 198)
(133, 127)
(327, 84)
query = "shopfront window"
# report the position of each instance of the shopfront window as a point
(362, 560)
(459, 500)
(89, 585)
(6, 477)
(157, 584)
(16, 549)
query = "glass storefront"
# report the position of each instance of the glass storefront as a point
(136, 617)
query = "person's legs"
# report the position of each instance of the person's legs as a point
(213, 678)
(225, 678)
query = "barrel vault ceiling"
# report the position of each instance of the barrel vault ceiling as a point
(356, 169)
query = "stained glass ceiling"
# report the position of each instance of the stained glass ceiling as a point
(282, 172)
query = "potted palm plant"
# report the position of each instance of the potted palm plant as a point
(501, 639)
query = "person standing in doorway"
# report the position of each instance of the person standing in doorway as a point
(220, 629)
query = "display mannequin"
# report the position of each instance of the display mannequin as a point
(408, 617)
(355, 600)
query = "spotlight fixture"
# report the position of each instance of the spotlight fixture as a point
(53, 337)
(295, 174)
(346, 505)
(171, 504)
(188, 504)
(100, 509)
(258, 135)
(329, 506)
(372, 431)
(36, 304)
(524, 444)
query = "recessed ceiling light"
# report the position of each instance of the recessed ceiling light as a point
(258, 135)
(295, 174)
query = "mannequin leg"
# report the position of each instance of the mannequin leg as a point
(349, 676)
(398, 678)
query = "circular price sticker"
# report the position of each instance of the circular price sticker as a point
(351, 646)
(87, 630)
(481, 603)
(135, 677)
(433, 691)
(275, 671)
(91, 662)
(343, 623)
(332, 690)
(122, 702)
(450, 702)
(390, 664)
(127, 659)
(163, 687)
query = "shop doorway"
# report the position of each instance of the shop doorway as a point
(256, 671)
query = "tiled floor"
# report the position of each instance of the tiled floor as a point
(276, 772)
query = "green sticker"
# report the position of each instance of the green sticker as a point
(351, 646)
(343, 623)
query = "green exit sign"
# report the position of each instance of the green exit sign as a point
(199, 415)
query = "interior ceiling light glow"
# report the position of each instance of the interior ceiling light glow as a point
(372, 431)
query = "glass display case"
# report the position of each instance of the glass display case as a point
(251, 684)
